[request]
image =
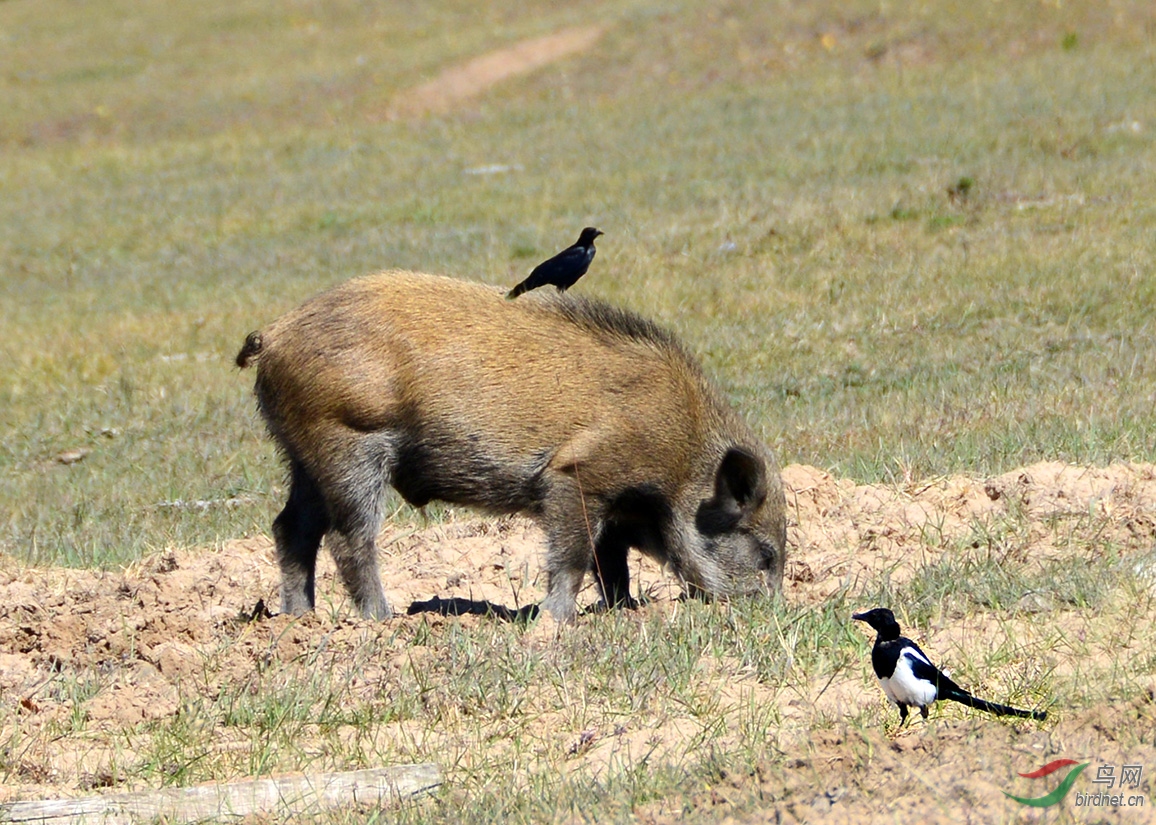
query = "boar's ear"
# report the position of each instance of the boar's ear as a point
(741, 482)
(740, 485)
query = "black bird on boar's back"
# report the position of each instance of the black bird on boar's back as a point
(564, 269)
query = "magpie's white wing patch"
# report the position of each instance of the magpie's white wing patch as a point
(904, 687)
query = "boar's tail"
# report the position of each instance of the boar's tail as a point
(250, 350)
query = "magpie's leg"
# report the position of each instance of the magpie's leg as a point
(923, 711)
(902, 715)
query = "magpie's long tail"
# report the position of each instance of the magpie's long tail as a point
(991, 707)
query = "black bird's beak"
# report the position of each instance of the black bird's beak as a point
(859, 617)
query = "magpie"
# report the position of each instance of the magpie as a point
(564, 269)
(910, 679)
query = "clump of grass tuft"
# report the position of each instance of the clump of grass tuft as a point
(993, 570)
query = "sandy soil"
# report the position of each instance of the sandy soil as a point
(144, 632)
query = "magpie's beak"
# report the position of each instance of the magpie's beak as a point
(859, 617)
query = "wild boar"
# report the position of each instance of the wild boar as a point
(591, 420)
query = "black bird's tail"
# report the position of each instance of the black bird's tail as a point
(965, 698)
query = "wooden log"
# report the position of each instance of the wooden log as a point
(284, 796)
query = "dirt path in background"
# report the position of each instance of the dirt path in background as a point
(458, 84)
(170, 624)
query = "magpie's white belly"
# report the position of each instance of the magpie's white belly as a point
(903, 688)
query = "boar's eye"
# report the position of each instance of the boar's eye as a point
(766, 555)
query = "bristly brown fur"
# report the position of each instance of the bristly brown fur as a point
(598, 316)
(586, 417)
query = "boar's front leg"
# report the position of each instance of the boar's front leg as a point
(571, 529)
(611, 568)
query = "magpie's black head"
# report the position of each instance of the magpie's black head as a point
(588, 235)
(882, 620)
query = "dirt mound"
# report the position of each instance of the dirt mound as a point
(844, 533)
(118, 649)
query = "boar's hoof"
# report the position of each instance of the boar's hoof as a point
(295, 604)
(562, 607)
(621, 603)
(377, 609)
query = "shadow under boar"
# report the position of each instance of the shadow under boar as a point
(591, 420)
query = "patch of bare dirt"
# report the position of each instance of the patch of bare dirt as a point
(847, 534)
(460, 83)
(947, 773)
(119, 649)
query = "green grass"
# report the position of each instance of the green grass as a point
(779, 185)
(492, 707)
(998, 568)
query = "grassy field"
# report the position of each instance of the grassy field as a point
(773, 181)
(909, 239)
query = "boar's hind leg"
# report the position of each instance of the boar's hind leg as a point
(354, 497)
(297, 532)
